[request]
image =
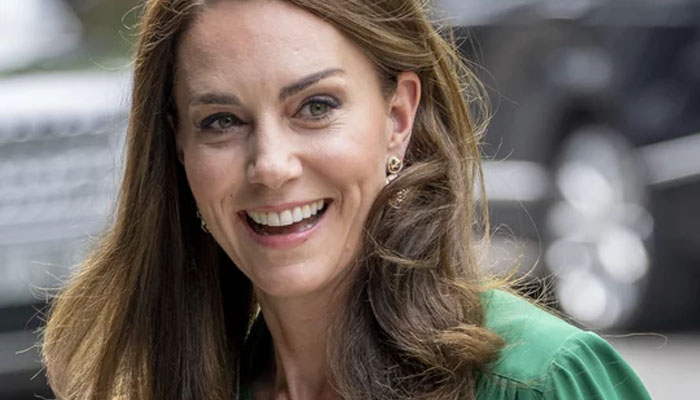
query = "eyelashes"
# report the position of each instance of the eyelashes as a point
(316, 109)
(221, 121)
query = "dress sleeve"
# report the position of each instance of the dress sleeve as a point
(587, 367)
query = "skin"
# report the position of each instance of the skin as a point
(266, 149)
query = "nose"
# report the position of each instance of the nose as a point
(274, 159)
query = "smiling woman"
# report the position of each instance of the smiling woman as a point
(327, 153)
(305, 126)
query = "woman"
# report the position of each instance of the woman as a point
(265, 171)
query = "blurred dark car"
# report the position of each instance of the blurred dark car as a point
(595, 147)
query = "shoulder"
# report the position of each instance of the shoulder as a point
(532, 336)
(547, 358)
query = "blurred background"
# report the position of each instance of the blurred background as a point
(593, 163)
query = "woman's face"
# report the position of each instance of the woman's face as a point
(284, 135)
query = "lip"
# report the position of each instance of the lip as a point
(286, 241)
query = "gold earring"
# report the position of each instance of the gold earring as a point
(399, 198)
(393, 167)
(202, 224)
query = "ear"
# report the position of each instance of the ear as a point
(402, 112)
(178, 139)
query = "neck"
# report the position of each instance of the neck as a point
(298, 368)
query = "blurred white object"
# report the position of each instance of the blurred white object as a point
(622, 254)
(672, 161)
(598, 227)
(587, 298)
(60, 135)
(78, 95)
(35, 30)
(511, 180)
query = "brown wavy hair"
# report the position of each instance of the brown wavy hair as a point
(158, 311)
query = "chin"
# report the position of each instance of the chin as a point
(296, 281)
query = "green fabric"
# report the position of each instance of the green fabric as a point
(544, 358)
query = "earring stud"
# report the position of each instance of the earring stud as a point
(202, 224)
(394, 165)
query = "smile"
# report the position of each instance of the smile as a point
(292, 220)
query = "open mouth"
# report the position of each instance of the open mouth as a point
(293, 220)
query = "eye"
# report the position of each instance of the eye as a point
(318, 108)
(221, 121)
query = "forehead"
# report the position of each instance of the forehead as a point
(262, 40)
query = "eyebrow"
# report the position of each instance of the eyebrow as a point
(215, 98)
(307, 81)
(287, 91)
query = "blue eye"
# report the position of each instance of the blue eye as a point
(221, 121)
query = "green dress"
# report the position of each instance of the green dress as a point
(544, 358)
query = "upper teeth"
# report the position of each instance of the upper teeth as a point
(286, 217)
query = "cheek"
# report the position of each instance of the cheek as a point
(369, 146)
(356, 158)
(209, 173)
